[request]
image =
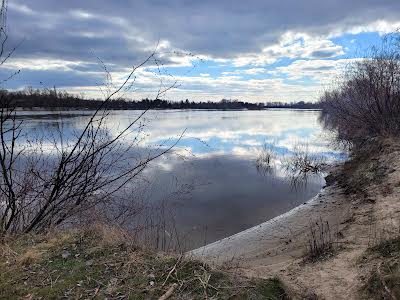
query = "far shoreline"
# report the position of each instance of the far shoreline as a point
(159, 109)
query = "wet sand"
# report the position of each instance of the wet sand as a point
(273, 245)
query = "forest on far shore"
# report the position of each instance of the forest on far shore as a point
(51, 98)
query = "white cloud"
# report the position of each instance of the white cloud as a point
(322, 71)
(22, 8)
(292, 45)
(381, 26)
(251, 71)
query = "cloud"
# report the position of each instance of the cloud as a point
(251, 71)
(292, 45)
(68, 36)
(380, 25)
(215, 28)
(321, 71)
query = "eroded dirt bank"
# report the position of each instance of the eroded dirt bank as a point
(361, 205)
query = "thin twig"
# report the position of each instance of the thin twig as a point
(169, 292)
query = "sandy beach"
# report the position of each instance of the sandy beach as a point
(274, 244)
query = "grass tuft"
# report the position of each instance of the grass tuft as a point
(320, 243)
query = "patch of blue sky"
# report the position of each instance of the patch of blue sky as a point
(215, 69)
(198, 68)
(357, 45)
(282, 62)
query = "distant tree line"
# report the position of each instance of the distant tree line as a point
(53, 98)
(296, 105)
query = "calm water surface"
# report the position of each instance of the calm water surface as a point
(210, 185)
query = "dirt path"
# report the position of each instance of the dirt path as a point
(276, 247)
(335, 277)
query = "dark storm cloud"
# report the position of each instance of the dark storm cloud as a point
(49, 78)
(219, 28)
(65, 36)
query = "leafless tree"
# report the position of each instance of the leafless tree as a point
(366, 102)
(39, 190)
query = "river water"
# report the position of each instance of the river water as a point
(209, 184)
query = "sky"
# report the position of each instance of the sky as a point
(254, 50)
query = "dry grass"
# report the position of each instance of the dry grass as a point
(383, 282)
(320, 244)
(109, 235)
(99, 262)
(364, 167)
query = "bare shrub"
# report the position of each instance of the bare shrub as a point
(41, 189)
(366, 101)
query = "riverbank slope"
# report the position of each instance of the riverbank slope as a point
(361, 208)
